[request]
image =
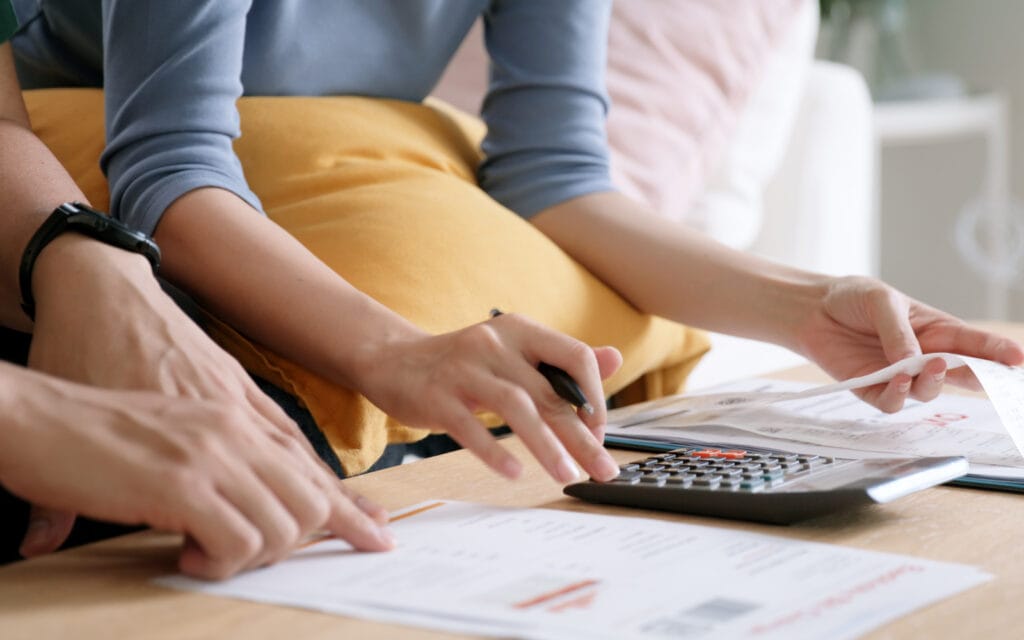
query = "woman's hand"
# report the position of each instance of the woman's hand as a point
(244, 493)
(438, 382)
(862, 325)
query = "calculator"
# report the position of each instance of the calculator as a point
(773, 486)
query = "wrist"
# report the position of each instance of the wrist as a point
(785, 305)
(74, 268)
(804, 303)
(83, 219)
(371, 344)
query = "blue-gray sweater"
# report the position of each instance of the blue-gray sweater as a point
(173, 69)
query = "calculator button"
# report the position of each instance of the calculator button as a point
(629, 467)
(679, 481)
(628, 477)
(708, 453)
(653, 467)
(710, 482)
(654, 478)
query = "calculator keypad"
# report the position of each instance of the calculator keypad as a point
(719, 470)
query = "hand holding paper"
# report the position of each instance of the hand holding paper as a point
(863, 325)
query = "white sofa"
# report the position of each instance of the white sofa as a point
(817, 208)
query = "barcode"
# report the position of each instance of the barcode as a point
(721, 609)
(700, 620)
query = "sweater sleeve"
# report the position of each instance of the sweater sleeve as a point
(173, 76)
(546, 105)
(8, 22)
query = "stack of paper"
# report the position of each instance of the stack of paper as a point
(828, 421)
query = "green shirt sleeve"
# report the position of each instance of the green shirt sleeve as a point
(8, 23)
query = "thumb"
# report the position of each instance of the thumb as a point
(608, 360)
(892, 321)
(47, 531)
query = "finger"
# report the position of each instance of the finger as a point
(350, 523)
(579, 440)
(928, 384)
(517, 408)
(47, 531)
(574, 357)
(464, 427)
(299, 489)
(970, 341)
(376, 512)
(260, 505)
(893, 394)
(892, 321)
(609, 359)
(220, 541)
(964, 378)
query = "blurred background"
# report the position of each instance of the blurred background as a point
(947, 85)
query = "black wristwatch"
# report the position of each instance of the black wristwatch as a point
(80, 218)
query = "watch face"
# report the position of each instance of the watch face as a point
(96, 224)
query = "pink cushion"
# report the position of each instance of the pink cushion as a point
(679, 73)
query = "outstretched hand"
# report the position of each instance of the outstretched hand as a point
(863, 325)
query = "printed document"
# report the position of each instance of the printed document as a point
(819, 419)
(542, 573)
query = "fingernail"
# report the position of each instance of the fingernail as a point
(510, 468)
(939, 377)
(36, 535)
(607, 469)
(387, 536)
(903, 387)
(588, 408)
(566, 470)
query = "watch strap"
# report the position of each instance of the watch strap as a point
(80, 218)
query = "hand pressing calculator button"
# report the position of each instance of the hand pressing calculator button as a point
(779, 487)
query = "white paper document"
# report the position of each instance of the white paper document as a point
(541, 573)
(819, 419)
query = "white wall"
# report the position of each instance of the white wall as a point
(924, 188)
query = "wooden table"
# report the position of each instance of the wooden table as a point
(102, 590)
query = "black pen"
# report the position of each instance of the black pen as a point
(560, 381)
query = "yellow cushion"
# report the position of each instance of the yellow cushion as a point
(384, 193)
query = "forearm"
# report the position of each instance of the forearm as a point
(663, 268)
(33, 183)
(250, 273)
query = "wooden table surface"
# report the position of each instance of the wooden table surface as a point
(102, 590)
